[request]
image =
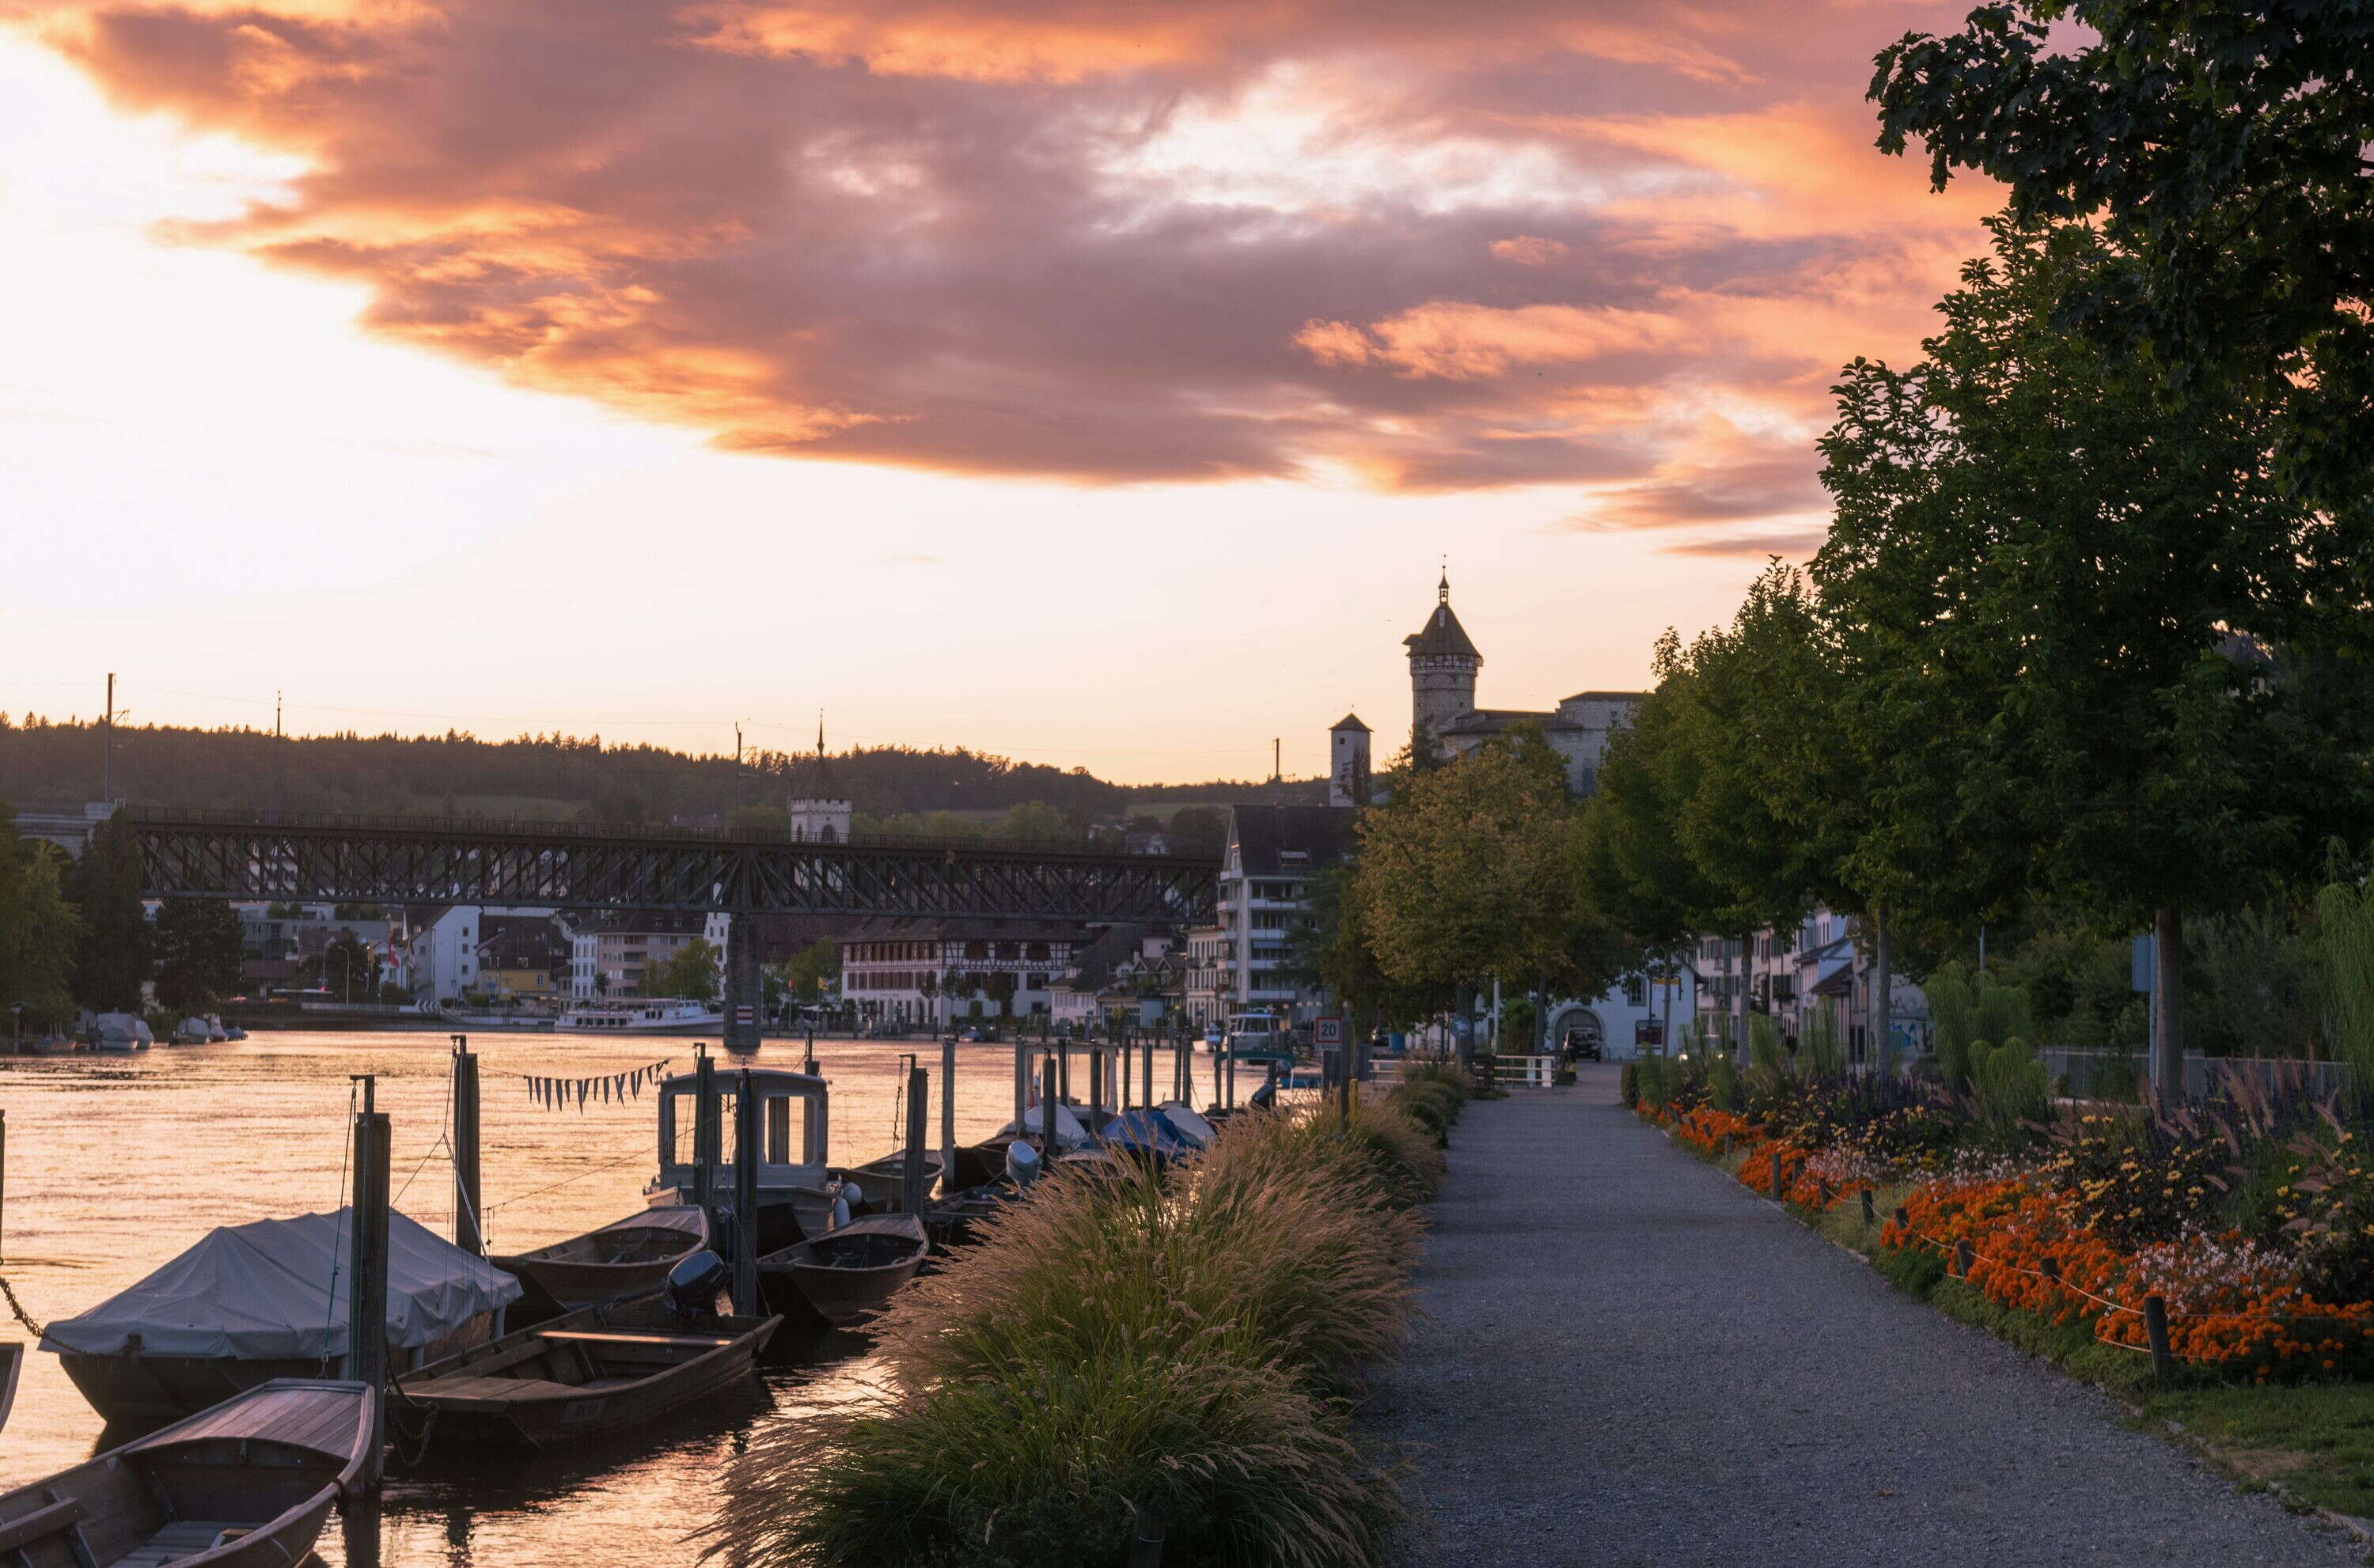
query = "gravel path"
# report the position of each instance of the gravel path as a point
(1630, 1358)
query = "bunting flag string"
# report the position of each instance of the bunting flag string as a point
(611, 1088)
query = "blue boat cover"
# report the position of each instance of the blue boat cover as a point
(1146, 1132)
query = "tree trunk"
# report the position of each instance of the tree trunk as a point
(1883, 994)
(2167, 1011)
(1739, 1002)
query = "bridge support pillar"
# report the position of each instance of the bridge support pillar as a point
(742, 988)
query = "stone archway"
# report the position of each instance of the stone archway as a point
(1576, 1016)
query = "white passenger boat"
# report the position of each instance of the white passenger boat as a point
(120, 1032)
(647, 1015)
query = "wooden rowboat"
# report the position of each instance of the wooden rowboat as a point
(627, 1257)
(596, 1371)
(846, 1275)
(884, 1181)
(246, 1484)
(12, 1363)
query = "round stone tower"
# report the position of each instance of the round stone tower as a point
(1442, 677)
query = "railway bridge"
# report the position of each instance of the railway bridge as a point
(301, 858)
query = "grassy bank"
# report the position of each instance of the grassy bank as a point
(1176, 1351)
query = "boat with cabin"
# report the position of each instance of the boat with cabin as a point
(625, 1257)
(797, 1192)
(845, 1275)
(643, 1015)
(246, 1484)
(250, 1303)
(599, 1370)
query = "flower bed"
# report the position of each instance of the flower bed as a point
(2084, 1222)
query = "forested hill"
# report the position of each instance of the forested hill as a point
(552, 777)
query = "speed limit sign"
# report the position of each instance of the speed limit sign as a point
(1327, 1032)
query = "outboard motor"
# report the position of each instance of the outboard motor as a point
(1267, 1095)
(1022, 1164)
(694, 1285)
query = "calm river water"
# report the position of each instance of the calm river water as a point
(116, 1163)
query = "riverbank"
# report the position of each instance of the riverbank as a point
(1626, 1358)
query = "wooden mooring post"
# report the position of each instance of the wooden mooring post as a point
(1096, 1091)
(367, 1281)
(704, 1132)
(746, 1133)
(911, 1169)
(469, 1231)
(1048, 1147)
(948, 1117)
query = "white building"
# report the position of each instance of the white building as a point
(1274, 855)
(1820, 966)
(611, 953)
(928, 972)
(819, 812)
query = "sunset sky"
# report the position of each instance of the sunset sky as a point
(1100, 385)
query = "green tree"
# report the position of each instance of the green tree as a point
(200, 949)
(117, 950)
(38, 929)
(1472, 872)
(347, 966)
(1330, 951)
(759, 821)
(2056, 550)
(2221, 143)
(1198, 830)
(690, 973)
(813, 968)
(1033, 822)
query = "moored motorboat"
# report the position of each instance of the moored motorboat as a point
(246, 1484)
(120, 1033)
(54, 1044)
(625, 1257)
(596, 1371)
(847, 1275)
(1094, 1163)
(249, 1304)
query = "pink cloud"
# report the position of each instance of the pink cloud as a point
(1216, 238)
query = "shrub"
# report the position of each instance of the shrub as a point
(2138, 1179)
(2014, 1092)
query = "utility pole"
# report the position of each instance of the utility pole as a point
(107, 762)
(276, 756)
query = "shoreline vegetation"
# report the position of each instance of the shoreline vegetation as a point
(2248, 1220)
(1176, 1355)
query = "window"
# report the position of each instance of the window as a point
(976, 950)
(1008, 952)
(1636, 991)
(1036, 952)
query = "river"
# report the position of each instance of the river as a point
(117, 1163)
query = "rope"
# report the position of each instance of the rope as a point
(19, 1308)
(442, 1143)
(564, 1181)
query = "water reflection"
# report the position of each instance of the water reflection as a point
(117, 1163)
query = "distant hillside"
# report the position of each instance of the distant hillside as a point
(547, 777)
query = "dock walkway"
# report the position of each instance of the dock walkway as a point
(1630, 1359)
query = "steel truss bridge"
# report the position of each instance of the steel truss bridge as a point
(304, 858)
(333, 860)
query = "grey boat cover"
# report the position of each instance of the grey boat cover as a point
(262, 1291)
(1070, 1131)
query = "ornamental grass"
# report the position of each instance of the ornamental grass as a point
(1179, 1342)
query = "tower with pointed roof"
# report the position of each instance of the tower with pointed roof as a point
(818, 812)
(1442, 677)
(1347, 756)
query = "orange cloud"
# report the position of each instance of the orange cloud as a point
(1204, 239)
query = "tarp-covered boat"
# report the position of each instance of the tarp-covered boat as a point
(251, 1302)
(1149, 1133)
(247, 1484)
